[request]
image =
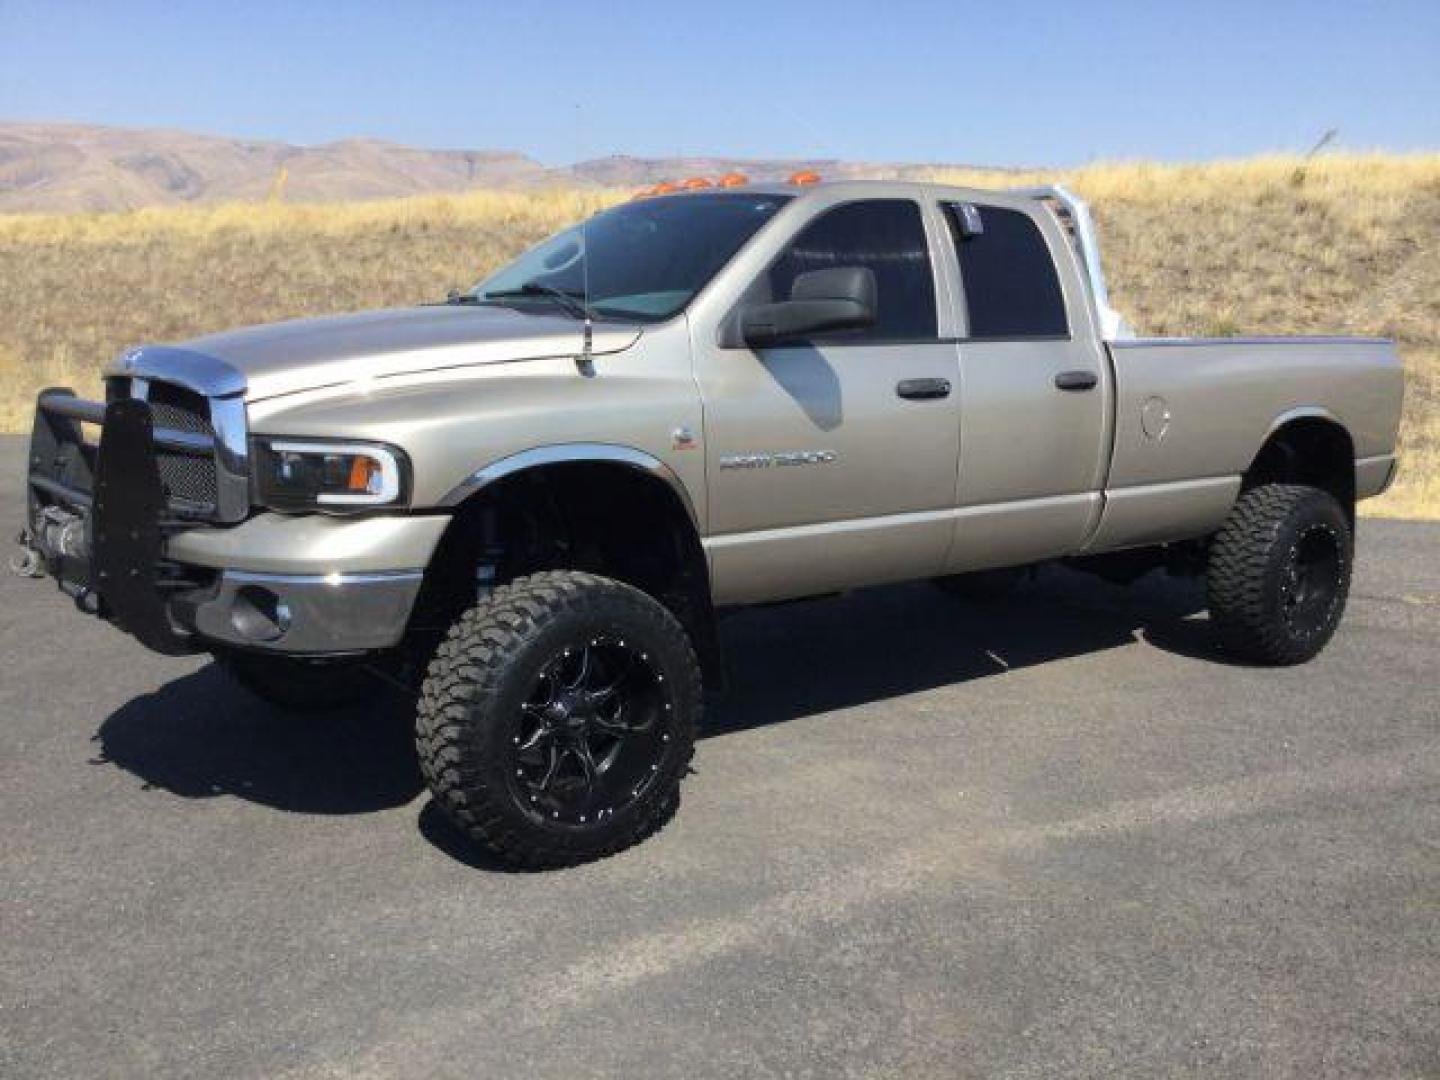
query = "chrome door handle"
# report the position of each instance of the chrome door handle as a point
(923, 389)
(1076, 380)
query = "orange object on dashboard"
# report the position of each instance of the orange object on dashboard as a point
(696, 182)
(805, 176)
(733, 179)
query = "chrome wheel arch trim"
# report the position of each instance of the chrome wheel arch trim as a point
(572, 453)
(1304, 412)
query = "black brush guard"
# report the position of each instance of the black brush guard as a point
(97, 513)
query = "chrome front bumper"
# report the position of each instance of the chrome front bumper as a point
(302, 613)
(307, 583)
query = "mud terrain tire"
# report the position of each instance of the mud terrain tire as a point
(524, 712)
(1278, 574)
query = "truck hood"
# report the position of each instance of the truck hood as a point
(305, 354)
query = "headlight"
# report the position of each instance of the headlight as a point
(301, 475)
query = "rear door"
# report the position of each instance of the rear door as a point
(1035, 399)
(831, 462)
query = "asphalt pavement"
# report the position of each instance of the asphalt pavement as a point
(1048, 837)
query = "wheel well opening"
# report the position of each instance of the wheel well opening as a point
(1311, 450)
(602, 517)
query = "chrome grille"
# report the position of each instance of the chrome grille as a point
(200, 436)
(199, 445)
(181, 409)
(185, 477)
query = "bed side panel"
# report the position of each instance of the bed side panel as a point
(1192, 415)
(1187, 411)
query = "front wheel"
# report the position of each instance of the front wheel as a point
(558, 717)
(1279, 573)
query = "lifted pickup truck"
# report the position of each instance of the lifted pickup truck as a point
(535, 496)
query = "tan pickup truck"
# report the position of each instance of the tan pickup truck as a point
(530, 501)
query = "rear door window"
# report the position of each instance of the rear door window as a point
(1011, 286)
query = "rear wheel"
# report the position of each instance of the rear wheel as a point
(558, 717)
(1279, 573)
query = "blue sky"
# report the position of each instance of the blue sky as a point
(1037, 82)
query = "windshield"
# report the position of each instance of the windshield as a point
(646, 259)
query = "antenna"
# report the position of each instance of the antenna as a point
(587, 338)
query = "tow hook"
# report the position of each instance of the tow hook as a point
(27, 562)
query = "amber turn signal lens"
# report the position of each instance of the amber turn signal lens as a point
(362, 470)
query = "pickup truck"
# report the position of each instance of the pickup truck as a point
(529, 502)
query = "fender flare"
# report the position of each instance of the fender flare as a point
(1302, 412)
(573, 453)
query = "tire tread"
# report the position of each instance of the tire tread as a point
(464, 678)
(1237, 582)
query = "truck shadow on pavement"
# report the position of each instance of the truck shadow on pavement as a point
(202, 736)
(867, 646)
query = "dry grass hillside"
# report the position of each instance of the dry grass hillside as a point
(1346, 244)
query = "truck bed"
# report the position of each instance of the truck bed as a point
(1190, 414)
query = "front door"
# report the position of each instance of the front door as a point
(832, 462)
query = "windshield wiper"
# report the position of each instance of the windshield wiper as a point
(571, 302)
(574, 304)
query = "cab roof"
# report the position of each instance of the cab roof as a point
(869, 189)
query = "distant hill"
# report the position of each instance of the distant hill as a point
(73, 167)
(66, 167)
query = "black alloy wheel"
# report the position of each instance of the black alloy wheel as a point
(588, 738)
(1310, 585)
(558, 718)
